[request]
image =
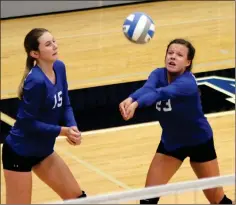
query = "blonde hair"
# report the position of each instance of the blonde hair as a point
(28, 67)
(30, 44)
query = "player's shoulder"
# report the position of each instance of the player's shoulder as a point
(59, 63)
(189, 77)
(35, 75)
(189, 82)
(159, 71)
(59, 67)
(35, 78)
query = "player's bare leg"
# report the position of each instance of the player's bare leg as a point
(210, 169)
(18, 187)
(56, 174)
(161, 170)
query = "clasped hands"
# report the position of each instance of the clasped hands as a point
(73, 135)
(127, 108)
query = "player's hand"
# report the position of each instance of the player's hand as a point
(73, 142)
(124, 105)
(75, 129)
(73, 136)
(131, 110)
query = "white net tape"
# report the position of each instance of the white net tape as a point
(155, 191)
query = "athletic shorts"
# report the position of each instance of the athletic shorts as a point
(14, 162)
(199, 153)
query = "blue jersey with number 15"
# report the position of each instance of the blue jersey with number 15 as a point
(178, 106)
(43, 108)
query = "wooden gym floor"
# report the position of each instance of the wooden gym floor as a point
(118, 159)
(96, 53)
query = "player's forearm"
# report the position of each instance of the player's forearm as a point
(159, 94)
(64, 131)
(140, 92)
(147, 100)
(35, 126)
(69, 117)
(155, 95)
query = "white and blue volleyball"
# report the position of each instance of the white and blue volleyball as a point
(139, 28)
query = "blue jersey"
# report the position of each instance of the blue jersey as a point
(43, 108)
(178, 106)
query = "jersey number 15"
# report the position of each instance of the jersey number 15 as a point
(57, 99)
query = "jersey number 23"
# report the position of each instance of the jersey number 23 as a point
(166, 107)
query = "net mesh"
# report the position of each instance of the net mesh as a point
(157, 191)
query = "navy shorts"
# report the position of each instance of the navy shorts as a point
(14, 162)
(200, 153)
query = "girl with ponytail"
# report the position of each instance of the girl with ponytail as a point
(43, 92)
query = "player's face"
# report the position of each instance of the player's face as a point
(177, 58)
(47, 48)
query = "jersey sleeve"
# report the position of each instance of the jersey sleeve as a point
(34, 93)
(181, 87)
(69, 118)
(149, 85)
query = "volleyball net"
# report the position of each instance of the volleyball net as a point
(157, 191)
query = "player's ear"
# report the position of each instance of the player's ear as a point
(34, 54)
(188, 63)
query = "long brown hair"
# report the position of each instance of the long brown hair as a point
(30, 44)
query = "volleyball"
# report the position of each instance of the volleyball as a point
(139, 28)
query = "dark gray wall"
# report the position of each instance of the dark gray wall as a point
(23, 8)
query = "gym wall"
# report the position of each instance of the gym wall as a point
(11, 9)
